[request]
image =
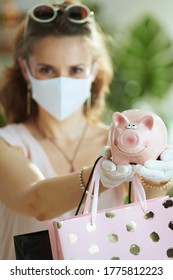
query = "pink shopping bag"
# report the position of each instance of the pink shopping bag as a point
(126, 233)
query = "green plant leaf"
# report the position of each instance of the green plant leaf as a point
(144, 65)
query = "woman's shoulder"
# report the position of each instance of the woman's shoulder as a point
(12, 135)
(12, 130)
(9, 129)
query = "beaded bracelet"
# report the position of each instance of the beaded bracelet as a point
(163, 186)
(81, 183)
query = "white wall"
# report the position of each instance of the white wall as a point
(122, 13)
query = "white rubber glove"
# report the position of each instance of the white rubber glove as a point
(105, 152)
(112, 175)
(157, 170)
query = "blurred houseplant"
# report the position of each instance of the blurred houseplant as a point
(143, 65)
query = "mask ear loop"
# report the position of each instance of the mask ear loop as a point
(27, 69)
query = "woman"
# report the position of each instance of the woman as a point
(52, 96)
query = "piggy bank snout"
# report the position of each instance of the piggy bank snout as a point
(129, 139)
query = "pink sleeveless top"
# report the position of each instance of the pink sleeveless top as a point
(13, 223)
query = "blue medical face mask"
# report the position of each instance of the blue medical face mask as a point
(60, 96)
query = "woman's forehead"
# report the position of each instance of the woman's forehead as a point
(65, 49)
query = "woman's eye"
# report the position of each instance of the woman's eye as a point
(76, 70)
(46, 70)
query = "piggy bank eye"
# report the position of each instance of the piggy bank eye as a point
(134, 126)
(131, 126)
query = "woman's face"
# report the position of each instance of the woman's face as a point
(65, 56)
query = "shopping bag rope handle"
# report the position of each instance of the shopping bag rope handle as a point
(87, 185)
(93, 181)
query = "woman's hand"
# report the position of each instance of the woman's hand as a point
(112, 175)
(157, 170)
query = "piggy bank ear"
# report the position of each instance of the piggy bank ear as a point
(119, 119)
(148, 121)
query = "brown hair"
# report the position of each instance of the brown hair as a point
(13, 91)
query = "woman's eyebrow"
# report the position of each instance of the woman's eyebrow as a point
(79, 65)
(45, 64)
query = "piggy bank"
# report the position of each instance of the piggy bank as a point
(136, 136)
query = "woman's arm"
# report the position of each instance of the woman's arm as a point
(23, 188)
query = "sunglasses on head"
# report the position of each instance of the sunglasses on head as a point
(45, 13)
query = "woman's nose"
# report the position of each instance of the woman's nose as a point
(62, 73)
